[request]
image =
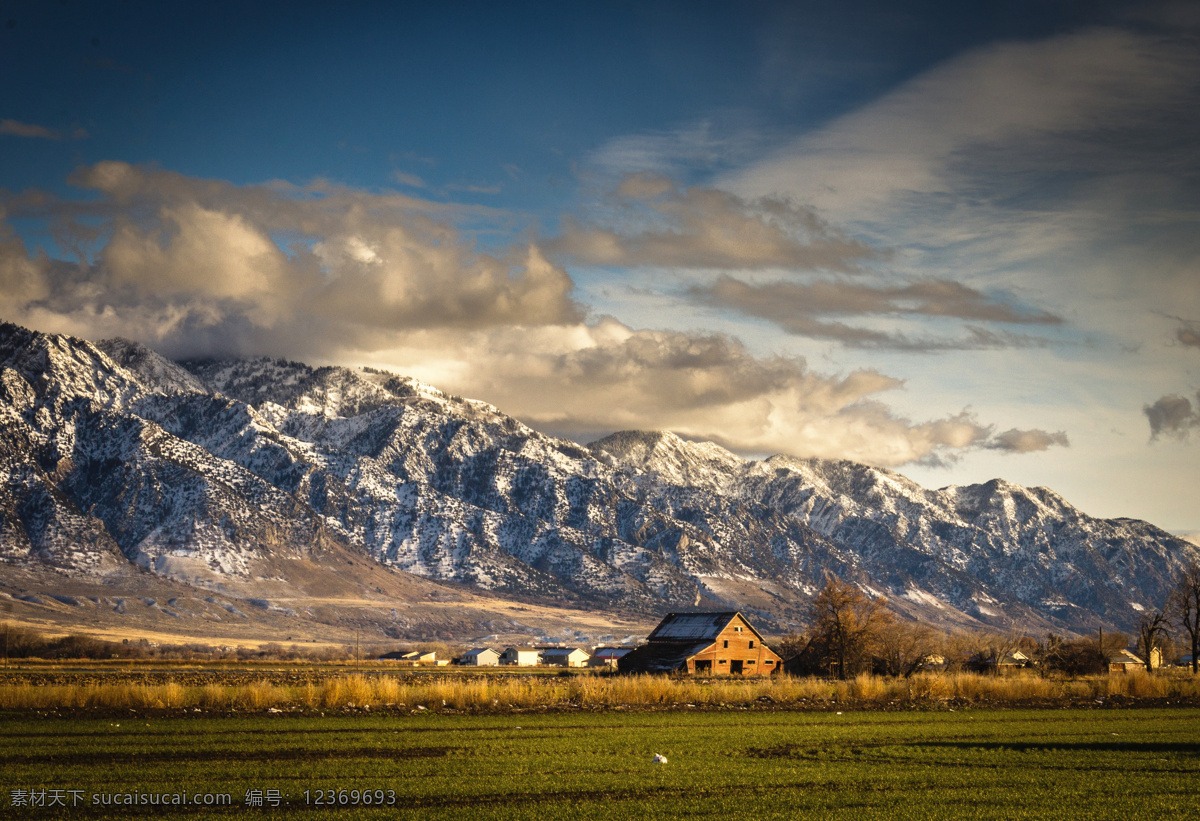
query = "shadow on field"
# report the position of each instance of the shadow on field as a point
(188, 756)
(859, 751)
(1182, 747)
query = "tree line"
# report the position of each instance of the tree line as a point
(851, 632)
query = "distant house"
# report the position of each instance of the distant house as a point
(413, 657)
(520, 656)
(607, 656)
(480, 657)
(1127, 661)
(1014, 660)
(705, 644)
(565, 657)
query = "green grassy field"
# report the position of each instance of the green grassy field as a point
(975, 764)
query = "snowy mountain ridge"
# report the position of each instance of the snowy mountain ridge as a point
(209, 470)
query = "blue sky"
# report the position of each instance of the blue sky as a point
(956, 240)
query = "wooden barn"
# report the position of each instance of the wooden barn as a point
(705, 644)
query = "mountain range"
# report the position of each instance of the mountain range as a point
(272, 487)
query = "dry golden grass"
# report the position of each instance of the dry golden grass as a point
(500, 693)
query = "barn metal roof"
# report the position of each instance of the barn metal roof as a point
(691, 626)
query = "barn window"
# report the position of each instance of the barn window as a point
(751, 644)
(749, 661)
(721, 661)
(768, 661)
(726, 644)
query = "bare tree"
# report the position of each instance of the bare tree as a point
(903, 648)
(846, 623)
(1151, 635)
(792, 645)
(1085, 656)
(1185, 606)
(984, 651)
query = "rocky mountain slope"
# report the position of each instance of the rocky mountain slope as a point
(221, 473)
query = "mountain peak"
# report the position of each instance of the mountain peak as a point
(110, 456)
(152, 368)
(669, 456)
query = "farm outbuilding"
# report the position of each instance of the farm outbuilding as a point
(704, 643)
(565, 657)
(520, 656)
(413, 657)
(1014, 661)
(1128, 661)
(607, 656)
(480, 657)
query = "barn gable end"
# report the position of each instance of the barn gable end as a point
(704, 643)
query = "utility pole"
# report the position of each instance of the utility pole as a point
(7, 608)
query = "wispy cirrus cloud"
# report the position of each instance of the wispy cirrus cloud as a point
(1024, 104)
(700, 146)
(15, 128)
(660, 224)
(814, 309)
(1027, 441)
(405, 178)
(1059, 168)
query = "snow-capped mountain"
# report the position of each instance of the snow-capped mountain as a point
(211, 471)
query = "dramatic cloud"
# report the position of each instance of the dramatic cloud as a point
(666, 226)
(796, 307)
(206, 266)
(1172, 416)
(587, 380)
(203, 267)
